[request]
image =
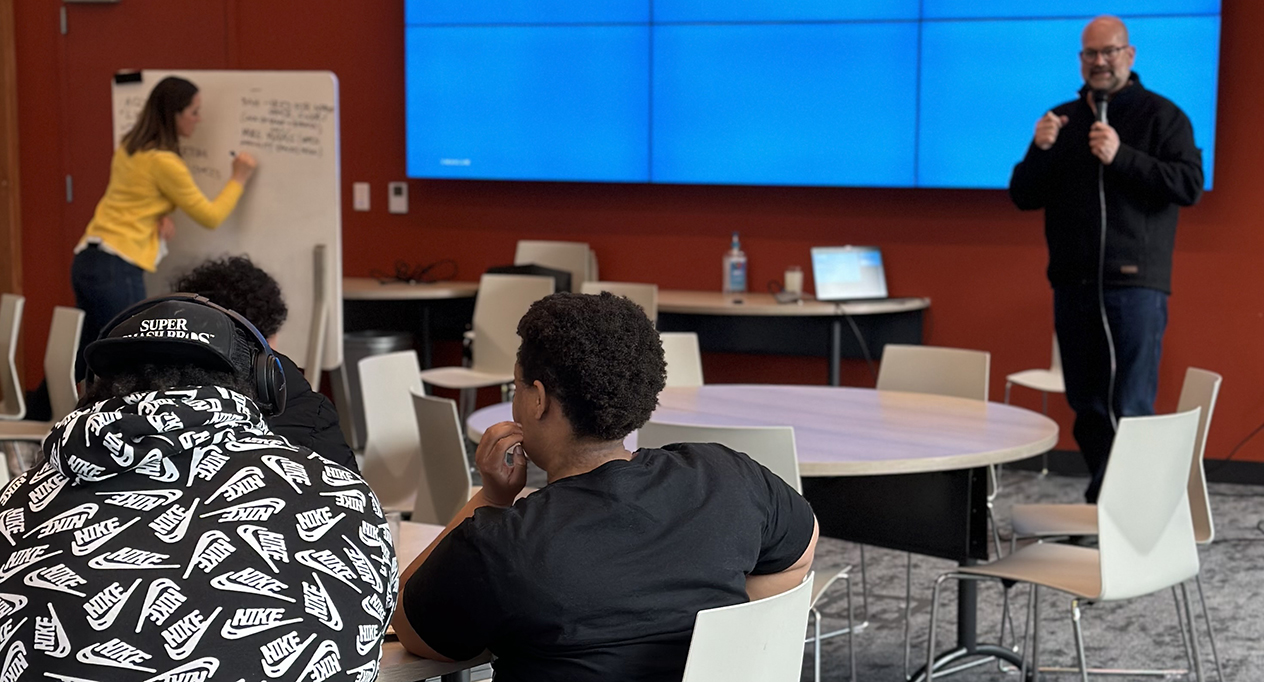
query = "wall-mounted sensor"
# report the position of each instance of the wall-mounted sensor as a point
(397, 193)
(360, 196)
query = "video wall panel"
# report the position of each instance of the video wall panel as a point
(897, 93)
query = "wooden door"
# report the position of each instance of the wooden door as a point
(102, 39)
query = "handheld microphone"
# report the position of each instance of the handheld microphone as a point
(1099, 100)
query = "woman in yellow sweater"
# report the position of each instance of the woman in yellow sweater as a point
(148, 180)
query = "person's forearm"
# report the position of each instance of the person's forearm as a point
(403, 629)
(760, 586)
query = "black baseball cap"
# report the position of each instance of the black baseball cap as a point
(173, 332)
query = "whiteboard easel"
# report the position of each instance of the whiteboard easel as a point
(289, 220)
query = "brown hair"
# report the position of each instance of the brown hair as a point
(156, 126)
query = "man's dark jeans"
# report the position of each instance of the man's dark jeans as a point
(1137, 317)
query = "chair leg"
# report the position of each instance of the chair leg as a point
(1189, 620)
(851, 633)
(908, 604)
(1044, 456)
(1035, 633)
(864, 585)
(1079, 639)
(816, 644)
(1022, 653)
(934, 617)
(1185, 636)
(1211, 631)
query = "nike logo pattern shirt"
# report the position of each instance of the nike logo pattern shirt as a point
(170, 536)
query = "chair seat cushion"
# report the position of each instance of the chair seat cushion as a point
(463, 377)
(1050, 520)
(1071, 569)
(1039, 380)
(25, 430)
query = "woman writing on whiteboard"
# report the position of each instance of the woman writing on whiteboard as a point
(148, 180)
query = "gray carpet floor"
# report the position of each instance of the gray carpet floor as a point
(1142, 633)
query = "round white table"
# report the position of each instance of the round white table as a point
(853, 431)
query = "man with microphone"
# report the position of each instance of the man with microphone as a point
(1111, 169)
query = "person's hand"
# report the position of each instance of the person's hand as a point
(1047, 130)
(501, 482)
(166, 228)
(1103, 141)
(244, 165)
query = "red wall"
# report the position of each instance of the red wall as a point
(979, 259)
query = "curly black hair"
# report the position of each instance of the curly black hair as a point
(238, 284)
(599, 355)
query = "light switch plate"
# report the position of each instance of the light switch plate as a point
(397, 197)
(360, 196)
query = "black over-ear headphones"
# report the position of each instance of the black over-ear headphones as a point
(268, 375)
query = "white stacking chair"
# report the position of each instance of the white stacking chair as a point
(684, 359)
(12, 402)
(773, 447)
(392, 447)
(59, 373)
(573, 257)
(445, 484)
(1145, 536)
(955, 372)
(759, 641)
(939, 371)
(1044, 380)
(1200, 390)
(501, 303)
(644, 295)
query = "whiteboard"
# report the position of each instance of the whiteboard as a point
(289, 121)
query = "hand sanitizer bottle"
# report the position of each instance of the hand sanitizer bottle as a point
(734, 268)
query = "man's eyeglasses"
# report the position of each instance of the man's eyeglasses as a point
(1107, 53)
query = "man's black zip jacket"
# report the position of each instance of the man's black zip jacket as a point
(1156, 170)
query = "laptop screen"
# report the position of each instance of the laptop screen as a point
(848, 273)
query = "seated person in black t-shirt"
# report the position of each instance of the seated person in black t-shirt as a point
(309, 419)
(599, 574)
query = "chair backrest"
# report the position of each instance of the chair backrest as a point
(445, 475)
(930, 369)
(1200, 390)
(1145, 531)
(759, 641)
(574, 257)
(12, 402)
(684, 359)
(392, 448)
(59, 360)
(644, 295)
(502, 301)
(771, 446)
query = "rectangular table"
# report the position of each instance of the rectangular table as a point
(757, 323)
(438, 310)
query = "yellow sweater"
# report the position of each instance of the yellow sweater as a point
(144, 187)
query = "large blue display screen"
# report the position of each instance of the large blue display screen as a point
(885, 93)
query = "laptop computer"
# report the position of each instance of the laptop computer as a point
(848, 273)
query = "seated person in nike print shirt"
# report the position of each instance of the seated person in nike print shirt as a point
(599, 574)
(168, 534)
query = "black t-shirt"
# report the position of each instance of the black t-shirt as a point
(599, 576)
